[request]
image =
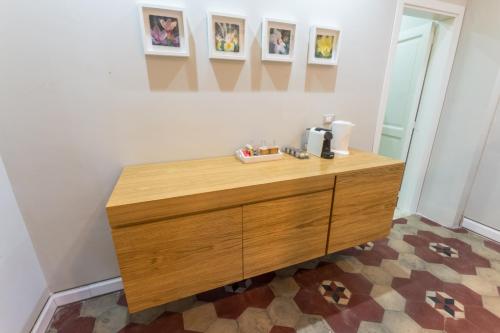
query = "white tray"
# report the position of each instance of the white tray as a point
(258, 158)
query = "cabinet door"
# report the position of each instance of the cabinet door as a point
(279, 233)
(363, 206)
(167, 260)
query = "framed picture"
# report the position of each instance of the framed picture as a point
(164, 30)
(324, 45)
(278, 40)
(226, 36)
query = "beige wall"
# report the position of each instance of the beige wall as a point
(466, 116)
(82, 101)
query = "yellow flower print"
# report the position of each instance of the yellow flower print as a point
(324, 46)
(228, 46)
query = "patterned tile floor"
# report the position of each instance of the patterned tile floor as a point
(423, 278)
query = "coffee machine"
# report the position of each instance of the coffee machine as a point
(317, 141)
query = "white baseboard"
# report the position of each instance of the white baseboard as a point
(481, 229)
(37, 310)
(43, 321)
(73, 295)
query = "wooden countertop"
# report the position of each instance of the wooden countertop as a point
(147, 182)
(151, 186)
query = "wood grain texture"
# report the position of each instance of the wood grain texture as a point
(363, 206)
(167, 260)
(155, 191)
(204, 201)
(283, 232)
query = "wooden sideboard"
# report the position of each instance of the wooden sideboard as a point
(181, 228)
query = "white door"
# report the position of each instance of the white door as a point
(407, 79)
(484, 202)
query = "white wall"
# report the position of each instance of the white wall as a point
(82, 101)
(482, 205)
(466, 115)
(23, 288)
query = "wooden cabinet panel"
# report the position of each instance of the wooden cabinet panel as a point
(283, 232)
(175, 234)
(203, 201)
(363, 206)
(163, 190)
(167, 260)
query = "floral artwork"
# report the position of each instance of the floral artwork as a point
(227, 37)
(279, 41)
(164, 30)
(324, 46)
(324, 42)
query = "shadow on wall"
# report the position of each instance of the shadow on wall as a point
(173, 73)
(227, 72)
(320, 78)
(180, 73)
(278, 72)
(255, 62)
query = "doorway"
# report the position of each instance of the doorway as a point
(423, 47)
(407, 81)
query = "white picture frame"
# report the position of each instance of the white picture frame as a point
(280, 26)
(317, 58)
(164, 30)
(217, 23)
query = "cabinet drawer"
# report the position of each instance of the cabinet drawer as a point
(283, 232)
(167, 260)
(363, 206)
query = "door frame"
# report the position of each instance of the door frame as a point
(432, 8)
